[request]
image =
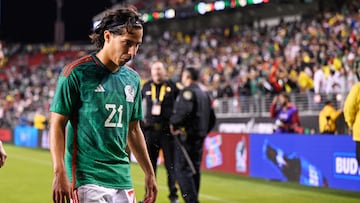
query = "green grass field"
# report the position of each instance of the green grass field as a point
(27, 178)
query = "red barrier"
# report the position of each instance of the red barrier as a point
(226, 152)
(6, 135)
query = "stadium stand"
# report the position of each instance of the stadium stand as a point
(241, 66)
(243, 62)
(23, 96)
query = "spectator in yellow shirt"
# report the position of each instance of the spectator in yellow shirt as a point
(306, 85)
(305, 81)
(352, 116)
(327, 118)
(39, 121)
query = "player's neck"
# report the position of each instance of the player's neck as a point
(109, 65)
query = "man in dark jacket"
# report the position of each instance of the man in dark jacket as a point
(159, 95)
(192, 119)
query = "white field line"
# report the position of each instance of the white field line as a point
(161, 187)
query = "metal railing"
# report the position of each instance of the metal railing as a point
(307, 103)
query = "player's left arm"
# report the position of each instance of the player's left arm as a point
(136, 142)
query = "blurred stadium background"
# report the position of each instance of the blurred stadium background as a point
(246, 50)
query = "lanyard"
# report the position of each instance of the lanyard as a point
(161, 94)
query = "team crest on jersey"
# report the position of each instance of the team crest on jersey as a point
(129, 93)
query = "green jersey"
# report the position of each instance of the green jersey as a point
(100, 105)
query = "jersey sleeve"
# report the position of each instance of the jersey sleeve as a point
(137, 110)
(66, 95)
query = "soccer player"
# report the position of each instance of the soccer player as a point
(95, 114)
(3, 155)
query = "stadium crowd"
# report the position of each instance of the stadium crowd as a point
(317, 55)
(28, 82)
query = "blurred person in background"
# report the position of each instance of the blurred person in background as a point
(226, 90)
(342, 81)
(275, 79)
(190, 122)
(244, 93)
(356, 65)
(333, 85)
(254, 81)
(319, 80)
(285, 114)
(98, 104)
(327, 118)
(40, 120)
(352, 116)
(3, 155)
(159, 95)
(306, 85)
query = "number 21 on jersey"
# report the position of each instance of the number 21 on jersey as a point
(114, 112)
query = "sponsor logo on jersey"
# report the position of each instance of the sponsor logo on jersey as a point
(129, 93)
(99, 88)
(346, 166)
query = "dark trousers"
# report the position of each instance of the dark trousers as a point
(189, 182)
(156, 140)
(357, 149)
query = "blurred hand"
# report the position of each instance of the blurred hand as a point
(173, 131)
(151, 189)
(61, 188)
(3, 155)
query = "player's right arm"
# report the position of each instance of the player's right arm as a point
(66, 98)
(61, 188)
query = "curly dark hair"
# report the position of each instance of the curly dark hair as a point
(118, 21)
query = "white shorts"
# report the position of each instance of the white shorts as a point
(96, 194)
